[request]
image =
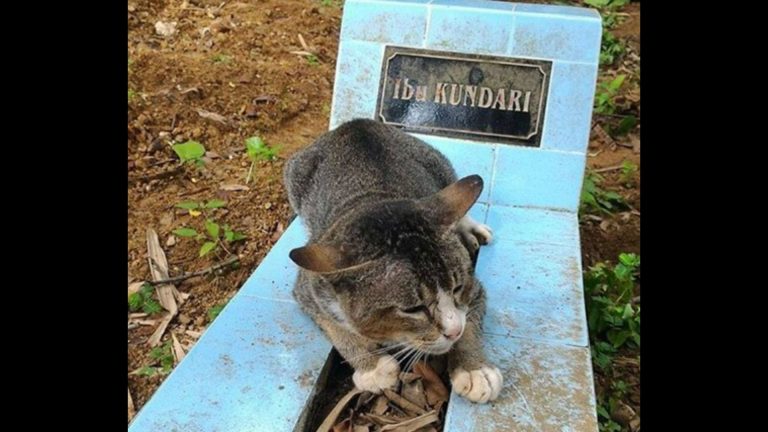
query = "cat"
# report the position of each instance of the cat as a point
(387, 272)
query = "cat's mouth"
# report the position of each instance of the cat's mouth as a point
(438, 347)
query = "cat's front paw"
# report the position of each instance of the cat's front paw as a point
(473, 234)
(383, 376)
(479, 385)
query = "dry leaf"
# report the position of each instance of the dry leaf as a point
(413, 424)
(212, 116)
(131, 408)
(403, 403)
(234, 187)
(178, 351)
(434, 387)
(361, 428)
(344, 426)
(380, 405)
(158, 267)
(334, 414)
(414, 392)
(165, 28)
(171, 241)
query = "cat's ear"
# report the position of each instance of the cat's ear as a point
(318, 258)
(452, 203)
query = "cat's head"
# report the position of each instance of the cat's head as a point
(396, 272)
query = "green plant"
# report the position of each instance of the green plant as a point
(595, 198)
(162, 355)
(606, 4)
(142, 300)
(190, 152)
(258, 150)
(221, 58)
(214, 232)
(313, 60)
(628, 170)
(607, 90)
(328, 3)
(611, 48)
(625, 125)
(215, 311)
(131, 95)
(611, 315)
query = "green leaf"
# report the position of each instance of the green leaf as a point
(147, 371)
(628, 311)
(254, 146)
(213, 229)
(626, 125)
(215, 203)
(207, 248)
(215, 311)
(232, 236)
(185, 232)
(629, 259)
(135, 301)
(602, 412)
(617, 338)
(617, 82)
(190, 150)
(188, 205)
(151, 307)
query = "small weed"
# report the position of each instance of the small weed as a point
(625, 125)
(628, 170)
(190, 152)
(610, 49)
(313, 60)
(221, 58)
(328, 3)
(607, 91)
(215, 233)
(610, 313)
(215, 311)
(257, 150)
(595, 198)
(143, 301)
(131, 95)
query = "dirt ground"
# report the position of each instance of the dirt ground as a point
(228, 73)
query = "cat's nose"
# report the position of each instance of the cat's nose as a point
(452, 333)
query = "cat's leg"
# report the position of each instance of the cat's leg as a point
(472, 233)
(373, 371)
(472, 376)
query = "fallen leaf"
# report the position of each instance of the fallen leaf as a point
(178, 351)
(403, 403)
(414, 392)
(165, 29)
(334, 414)
(380, 405)
(194, 213)
(412, 424)
(345, 426)
(234, 187)
(212, 116)
(131, 408)
(171, 241)
(433, 386)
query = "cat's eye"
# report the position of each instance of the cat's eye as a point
(415, 309)
(457, 289)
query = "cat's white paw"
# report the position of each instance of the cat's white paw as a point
(479, 385)
(383, 376)
(473, 233)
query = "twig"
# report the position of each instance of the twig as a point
(403, 403)
(606, 169)
(162, 174)
(228, 261)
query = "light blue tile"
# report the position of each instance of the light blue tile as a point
(483, 5)
(546, 388)
(533, 226)
(534, 291)
(357, 81)
(252, 370)
(537, 178)
(552, 38)
(472, 30)
(276, 274)
(398, 23)
(563, 11)
(467, 158)
(568, 115)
